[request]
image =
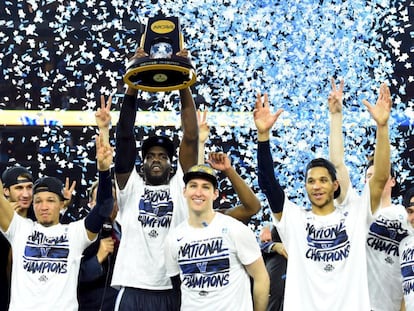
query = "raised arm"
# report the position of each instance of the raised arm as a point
(382, 162)
(203, 132)
(336, 139)
(6, 210)
(104, 197)
(250, 204)
(264, 121)
(125, 136)
(188, 151)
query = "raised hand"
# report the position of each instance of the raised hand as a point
(104, 153)
(139, 53)
(68, 191)
(263, 118)
(219, 161)
(106, 247)
(183, 53)
(103, 114)
(336, 96)
(203, 127)
(382, 109)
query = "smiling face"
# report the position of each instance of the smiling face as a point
(47, 206)
(200, 195)
(320, 188)
(22, 193)
(157, 166)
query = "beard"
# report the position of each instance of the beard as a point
(156, 180)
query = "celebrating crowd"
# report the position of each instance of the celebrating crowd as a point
(153, 238)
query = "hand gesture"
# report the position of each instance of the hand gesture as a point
(279, 248)
(382, 109)
(103, 114)
(139, 53)
(183, 53)
(263, 118)
(203, 127)
(336, 96)
(106, 247)
(16, 207)
(68, 191)
(104, 153)
(265, 234)
(219, 161)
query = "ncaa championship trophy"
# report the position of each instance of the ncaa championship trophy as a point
(162, 70)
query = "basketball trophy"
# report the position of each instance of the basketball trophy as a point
(162, 70)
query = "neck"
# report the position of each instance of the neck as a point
(385, 201)
(22, 212)
(324, 210)
(201, 220)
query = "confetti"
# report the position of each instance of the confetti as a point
(64, 54)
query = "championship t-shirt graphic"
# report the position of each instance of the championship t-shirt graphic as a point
(155, 210)
(327, 244)
(46, 255)
(385, 235)
(205, 264)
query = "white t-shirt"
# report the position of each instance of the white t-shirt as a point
(46, 264)
(407, 269)
(326, 268)
(211, 262)
(384, 273)
(146, 214)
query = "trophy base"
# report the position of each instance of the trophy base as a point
(160, 75)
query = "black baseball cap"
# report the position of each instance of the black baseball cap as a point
(321, 162)
(161, 141)
(10, 176)
(201, 171)
(49, 184)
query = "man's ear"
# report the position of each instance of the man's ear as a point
(216, 194)
(6, 192)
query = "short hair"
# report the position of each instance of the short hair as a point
(407, 197)
(321, 162)
(395, 191)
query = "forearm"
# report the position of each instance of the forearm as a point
(188, 151)
(246, 195)
(90, 269)
(261, 293)
(382, 161)
(125, 136)
(337, 153)
(104, 203)
(267, 180)
(201, 151)
(382, 167)
(6, 212)
(336, 140)
(188, 115)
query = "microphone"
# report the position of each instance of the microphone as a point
(106, 229)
